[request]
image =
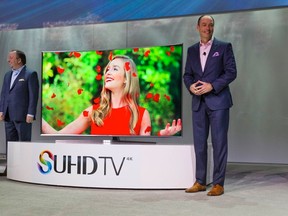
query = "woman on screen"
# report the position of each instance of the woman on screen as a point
(118, 111)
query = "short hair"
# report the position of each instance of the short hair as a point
(20, 54)
(199, 19)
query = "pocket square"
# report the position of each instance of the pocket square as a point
(215, 54)
(21, 80)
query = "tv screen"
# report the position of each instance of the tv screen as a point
(82, 91)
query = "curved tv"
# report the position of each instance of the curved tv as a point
(73, 82)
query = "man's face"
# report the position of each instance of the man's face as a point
(206, 28)
(13, 61)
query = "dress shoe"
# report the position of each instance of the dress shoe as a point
(197, 187)
(216, 190)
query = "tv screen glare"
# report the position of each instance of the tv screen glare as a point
(72, 81)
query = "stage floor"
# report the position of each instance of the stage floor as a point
(250, 189)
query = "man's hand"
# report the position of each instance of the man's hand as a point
(29, 119)
(1, 116)
(200, 88)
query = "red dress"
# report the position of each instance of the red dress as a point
(117, 123)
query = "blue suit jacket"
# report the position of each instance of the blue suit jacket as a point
(220, 70)
(22, 98)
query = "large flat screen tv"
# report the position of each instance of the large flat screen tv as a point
(80, 87)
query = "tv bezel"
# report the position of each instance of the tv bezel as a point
(115, 138)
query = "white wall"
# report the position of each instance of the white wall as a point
(259, 121)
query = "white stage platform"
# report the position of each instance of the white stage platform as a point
(130, 166)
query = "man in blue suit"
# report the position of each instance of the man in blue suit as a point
(19, 97)
(210, 68)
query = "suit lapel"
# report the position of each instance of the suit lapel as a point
(20, 76)
(211, 53)
(198, 61)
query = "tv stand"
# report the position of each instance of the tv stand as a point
(117, 140)
(102, 166)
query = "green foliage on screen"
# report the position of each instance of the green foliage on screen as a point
(69, 83)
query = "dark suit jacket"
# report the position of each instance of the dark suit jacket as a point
(220, 70)
(22, 98)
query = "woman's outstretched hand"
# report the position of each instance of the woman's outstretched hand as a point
(46, 128)
(170, 130)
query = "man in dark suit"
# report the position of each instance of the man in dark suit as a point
(19, 97)
(210, 68)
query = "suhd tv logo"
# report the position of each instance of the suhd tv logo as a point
(44, 162)
(80, 164)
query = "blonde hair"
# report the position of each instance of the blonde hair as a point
(130, 95)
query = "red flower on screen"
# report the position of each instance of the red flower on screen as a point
(151, 84)
(127, 66)
(95, 106)
(98, 68)
(85, 113)
(99, 52)
(156, 97)
(53, 95)
(149, 95)
(110, 56)
(77, 54)
(167, 97)
(49, 108)
(98, 77)
(148, 129)
(79, 91)
(60, 70)
(168, 53)
(136, 49)
(172, 48)
(60, 123)
(96, 100)
(146, 54)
